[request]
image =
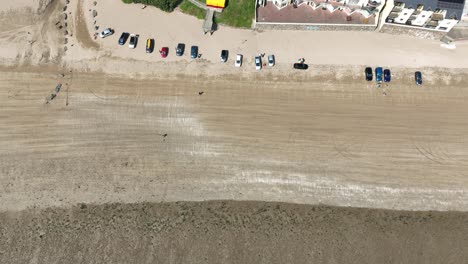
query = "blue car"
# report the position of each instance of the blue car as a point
(378, 74)
(387, 76)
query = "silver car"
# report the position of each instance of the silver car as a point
(258, 63)
(271, 60)
(106, 32)
(238, 62)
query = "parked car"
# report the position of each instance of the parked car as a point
(378, 74)
(418, 77)
(194, 52)
(133, 41)
(224, 55)
(238, 62)
(164, 51)
(387, 76)
(149, 45)
(106, 32)
(180, 49)
(368, 73)
(300, 66)
(258, 63)
(271, 60)
(123, 38)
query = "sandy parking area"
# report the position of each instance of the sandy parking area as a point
(343, 48)
(47, 40)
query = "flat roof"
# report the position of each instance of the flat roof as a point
(422, 18)
(404, 16)
(446, 23)
(453, 7)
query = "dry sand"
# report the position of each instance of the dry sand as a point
(311, 141)
(322, 136)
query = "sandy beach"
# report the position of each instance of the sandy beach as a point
(130, 132)
(101, 140)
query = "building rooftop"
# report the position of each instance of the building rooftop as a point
(453, 7)
(306, 14)
(404, 16)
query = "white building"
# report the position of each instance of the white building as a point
(366, 7)
(422, 17)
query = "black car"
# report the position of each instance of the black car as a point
(224, 55)
(194, 52)
(387, 76)
(123, 38)
(368, 73)
(418, 77)
(300, 66)
(180, 49)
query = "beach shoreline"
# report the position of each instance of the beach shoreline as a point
(231, 232)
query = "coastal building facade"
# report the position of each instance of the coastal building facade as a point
(323, 12)
(433, 15)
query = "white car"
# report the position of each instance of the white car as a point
(258, 63)
(133, 41)
(271, 60)
(238, 62)
(107, 32)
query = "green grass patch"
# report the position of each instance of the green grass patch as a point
(165, 5)
(191, 9)
(238, 13)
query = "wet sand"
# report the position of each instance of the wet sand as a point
(231, 232)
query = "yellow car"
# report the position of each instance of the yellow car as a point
(149, 45)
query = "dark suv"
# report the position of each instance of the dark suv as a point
(123, 38)
(194, 52)
(368, 73)
(180, 49)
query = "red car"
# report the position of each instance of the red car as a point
(164, 51)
